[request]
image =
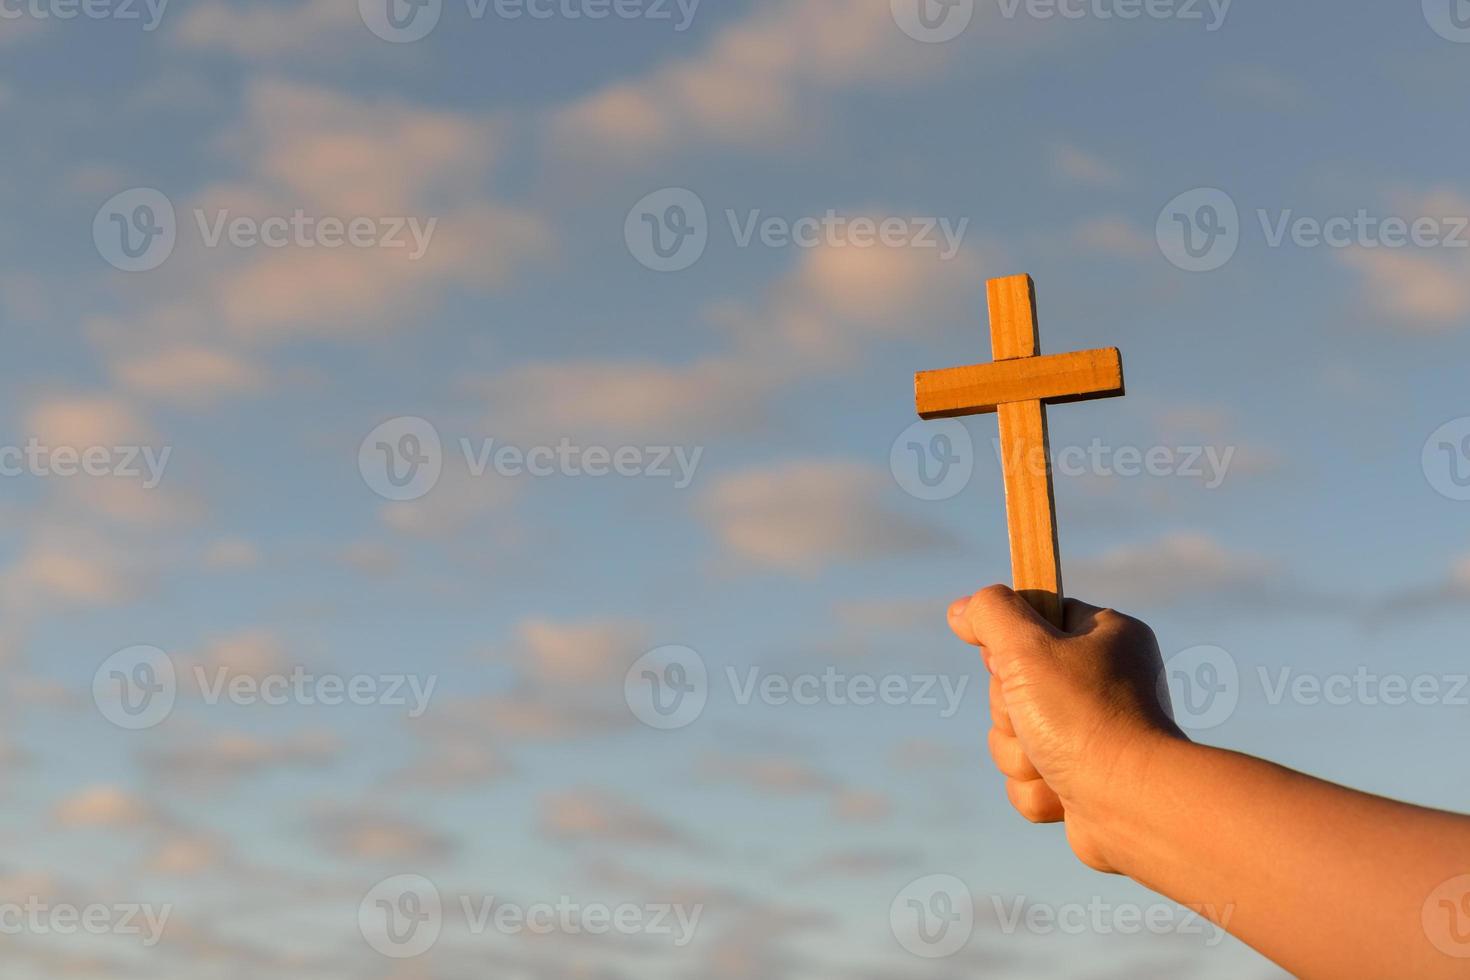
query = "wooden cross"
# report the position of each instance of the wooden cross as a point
(1017, 386)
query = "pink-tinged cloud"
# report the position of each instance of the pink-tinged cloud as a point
(102, 806)
(803, 516)
(596, 816)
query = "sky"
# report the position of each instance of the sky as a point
(465, 514)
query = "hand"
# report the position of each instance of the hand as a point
(1073, 713)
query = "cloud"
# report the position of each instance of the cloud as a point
(230, 757)
(256, 652)
(621, 400)
(82, 421)
(1421, 290)
(802, 516)
(417, 176)
(68, 569)
(839, 299)
(190, 376)
(832, 307)
(1114, 235)
(1418, 288)
(452, 761)
(186, 855)
(1178, 566)
(767, 775)
(531, 713)
(859, 862)
(102, 806)
(232, 554)
(861, 806)
(375, 835)
(260, 31)
(580, 653)
(754, 86)
(601, 817)
(456, 502)
(1078, 167)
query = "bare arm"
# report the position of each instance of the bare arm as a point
(1324, 880)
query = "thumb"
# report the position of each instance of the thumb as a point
(1003, 624)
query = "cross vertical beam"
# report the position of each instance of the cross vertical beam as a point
(1031, 511)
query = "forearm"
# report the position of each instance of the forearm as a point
(1326, 881)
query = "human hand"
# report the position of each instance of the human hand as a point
(1073, 713)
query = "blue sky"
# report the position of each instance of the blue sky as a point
(1330, 375)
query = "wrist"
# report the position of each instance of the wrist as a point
(1126, 801)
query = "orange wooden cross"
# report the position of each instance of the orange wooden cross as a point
(1017, 386)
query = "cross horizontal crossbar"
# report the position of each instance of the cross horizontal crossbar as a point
(1056, 379)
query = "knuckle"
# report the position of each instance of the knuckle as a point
(992, 594)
